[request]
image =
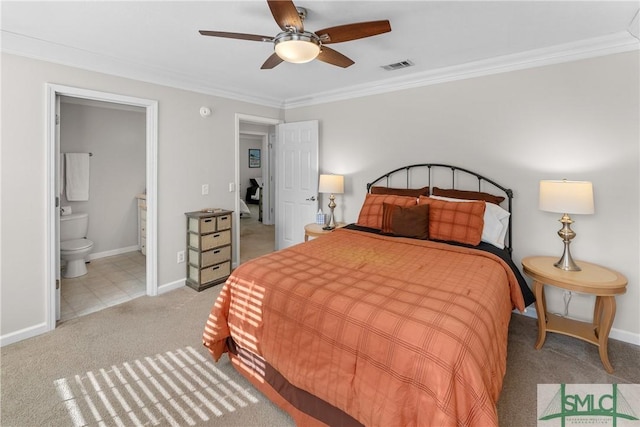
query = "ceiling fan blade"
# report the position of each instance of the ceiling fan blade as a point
(271, 62)
(334, 57)
(286, 14)
(344, 33)
(240, 36)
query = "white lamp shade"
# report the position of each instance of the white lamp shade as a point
(570, 197)
(331, 184)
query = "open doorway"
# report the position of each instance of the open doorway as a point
(255, 201)
(108, 200)
(149, 109)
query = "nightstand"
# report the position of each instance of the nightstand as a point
(593, 279)
(316, 230)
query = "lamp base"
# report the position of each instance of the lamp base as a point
(566, 233)
(332, 222)
(566, 263)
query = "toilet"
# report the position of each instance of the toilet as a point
(74, 245)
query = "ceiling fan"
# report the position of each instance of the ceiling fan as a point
(296, 45)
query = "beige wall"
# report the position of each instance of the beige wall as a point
(577, 120)
(191, 151)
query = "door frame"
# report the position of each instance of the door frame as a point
(260, 120)
(53, 91)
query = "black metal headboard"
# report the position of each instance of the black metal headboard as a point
(421, 175)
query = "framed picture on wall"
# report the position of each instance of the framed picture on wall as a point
(254, 157)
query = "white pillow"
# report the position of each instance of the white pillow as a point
(496, 221)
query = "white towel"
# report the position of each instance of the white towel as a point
(77, 171)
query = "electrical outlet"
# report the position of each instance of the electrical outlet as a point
(180, 257)
(205, 189)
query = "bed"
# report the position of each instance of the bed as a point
(399, 319)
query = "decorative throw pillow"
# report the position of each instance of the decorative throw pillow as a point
(496, 222)
(409, 221)
(371, 211)
(415, 192)
(453, 221)
(467, 195)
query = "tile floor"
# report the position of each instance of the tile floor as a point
(109, 281)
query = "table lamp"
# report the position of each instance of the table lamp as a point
(332, 184)
(566, 197)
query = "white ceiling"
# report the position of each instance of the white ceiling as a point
(158, 41)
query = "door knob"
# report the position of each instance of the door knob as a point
(311, 199)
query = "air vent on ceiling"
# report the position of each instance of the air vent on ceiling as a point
(398, 65)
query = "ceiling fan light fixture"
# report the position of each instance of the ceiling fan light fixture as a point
(297, 48)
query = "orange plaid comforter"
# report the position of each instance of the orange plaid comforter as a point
(392, 331)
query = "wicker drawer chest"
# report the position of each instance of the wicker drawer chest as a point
(208, 247)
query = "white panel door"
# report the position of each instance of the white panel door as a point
(296, 180)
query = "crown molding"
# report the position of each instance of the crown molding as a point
(43, 50)
(60, 54)
(584, 49)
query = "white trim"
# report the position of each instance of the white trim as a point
(39, 329)
(151, 107)
(616, 334)
(44, 50)
(619, 42)
(112, 252)
(163, 289)
(23, 334)
(601, 46)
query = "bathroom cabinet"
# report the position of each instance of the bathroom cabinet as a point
(142, 223)
(208, 247)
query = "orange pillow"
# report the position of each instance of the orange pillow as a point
(457, 222)
(406, 221)
(371, 211)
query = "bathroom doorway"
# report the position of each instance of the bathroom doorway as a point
(149, 109)
(110, 139)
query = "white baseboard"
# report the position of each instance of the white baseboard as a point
(23, 334)
(113, 252)
(616, 334)
(41, 328)
(171, 286)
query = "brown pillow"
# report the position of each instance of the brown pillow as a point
(415, 192)
(454, 221)
(371, 211)
(410, 221)
(467, 195)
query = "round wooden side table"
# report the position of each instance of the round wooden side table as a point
(593, 279)
(317, 230)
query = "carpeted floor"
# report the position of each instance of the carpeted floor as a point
(142, 363)
(139, 363)
(255, 238)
